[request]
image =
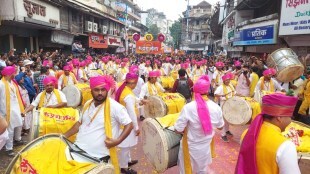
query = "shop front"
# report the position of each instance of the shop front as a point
(114, 42)
(98, 42)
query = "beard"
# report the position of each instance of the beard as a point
(100, 98)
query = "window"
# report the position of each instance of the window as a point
(197, 38)
(197, 22)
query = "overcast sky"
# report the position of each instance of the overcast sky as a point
(171, 8)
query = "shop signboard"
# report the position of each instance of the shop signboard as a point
(295, 17)
(260, 35)
(97, 41)
(148, 47)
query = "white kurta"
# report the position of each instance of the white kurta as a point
(132, 139)
(52, 99)
(286, 158)
(220, 91)
(145, 91)
(218, 74)
(91, 137)
(28, 116)
(60, 81)
(198, 142)
(138, 88)
(242, 88)
(277, 86)
(15, 112)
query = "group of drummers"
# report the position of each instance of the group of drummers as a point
(119, 90)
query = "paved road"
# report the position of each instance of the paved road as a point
(224, 163)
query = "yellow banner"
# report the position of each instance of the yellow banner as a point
(57, 120)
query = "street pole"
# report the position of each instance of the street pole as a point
(187, 16)
(126, 34)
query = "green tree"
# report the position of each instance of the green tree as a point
(154, 30)
(175, 31)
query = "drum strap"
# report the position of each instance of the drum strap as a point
(186, 155)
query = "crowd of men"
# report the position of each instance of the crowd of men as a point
(35, 80)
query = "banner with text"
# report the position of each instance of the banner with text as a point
(295, 17)
(148, 47)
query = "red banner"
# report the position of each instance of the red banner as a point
(148, 47)
(97, 41)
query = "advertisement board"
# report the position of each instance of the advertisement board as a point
(148, 47)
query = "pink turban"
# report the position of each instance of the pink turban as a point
(267, 72)
(9, 70)
(105, 81)
(88, 61)
(134, 69)
(89, 57)
(219, 64)
(275, 105)
(83, 63)
(202, 87)
(273, 71)
(113, 58)
(118, 61)
(153, 74)
(226, 77)
(123, 64)
(237, 64)
(177, 61)
(168, 59)
(66, 68)
(76, 62)
(49, 80)
(125, 60)
(47, 63)
(148, 62)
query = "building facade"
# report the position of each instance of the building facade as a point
(28, 25)
(196, 33)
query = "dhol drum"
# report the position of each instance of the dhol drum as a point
(48, 153)
(160, 145)
(167, 103)
(286, 62)
(50, 120)
(240, 110)
(77, 94)
(95, 72)
(299, 133)
(167, 82)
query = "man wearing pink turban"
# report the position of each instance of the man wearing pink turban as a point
(50, 97)
(223, 93)
(67, 78)
(167, 66)
(197, 121)
(125, 96)
(11, 106)
(217, 75)
(98, 130)
(267, 83)
(264, 149)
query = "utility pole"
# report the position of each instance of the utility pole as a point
(126, 28)
(187, 16)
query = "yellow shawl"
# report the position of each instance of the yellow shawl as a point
(218, 76)
(41, 103)
(65, 79)
(254, 81)
(151, 90)
(108, 131)
(8, 100)
(226, 92)
(262, 84)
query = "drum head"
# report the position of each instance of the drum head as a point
(94, 73)
(155, 107)
(73, 95)
(290, 73)
(237, 111)
(34, 129)
(102, 169)
(156, 146)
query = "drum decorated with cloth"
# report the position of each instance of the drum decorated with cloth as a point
(240, 110)
(167, 82)
(167, 103)
(299, 133)
(286, 62)
(160, 145)
(48, 154)
(77, 94)
(53, 120)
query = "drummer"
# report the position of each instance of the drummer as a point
(125, 96)
(223, 93)
(267, 83)
(264, 149)
(67, 78)
(81, 73)
(98, 127)
(49, 98)
(217, 75)
(152, 87)
(199, 117)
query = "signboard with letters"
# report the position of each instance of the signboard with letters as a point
(114, 41)
(261, 35)
(62, 38)
(295, 17)
(97, 41)
(148, 47)
(36, 10)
